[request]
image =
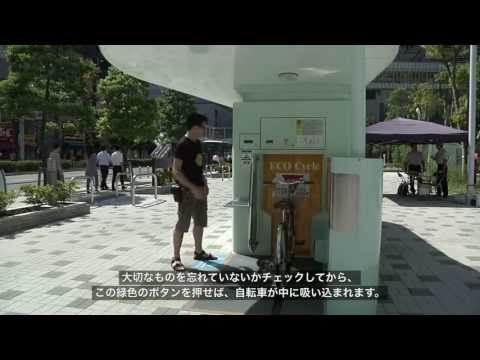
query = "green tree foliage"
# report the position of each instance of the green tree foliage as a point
(451, 56)
(398, 104)
(173, 108)
(46, 78)
(427, 101)
(127, 116)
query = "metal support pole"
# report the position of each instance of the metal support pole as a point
(472, 124)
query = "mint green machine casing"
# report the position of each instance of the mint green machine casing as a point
(355, 226)
(347, 232)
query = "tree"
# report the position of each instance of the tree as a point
(425, 99)
(45, 78)
(127, 116)
(173, 108)
(451, 57)
(398, 104)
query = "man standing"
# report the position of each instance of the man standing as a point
(414, 165)
(104, 160)
(117, 163)
(441, 158)
(91, 170)
(188, 166)
(54, 166)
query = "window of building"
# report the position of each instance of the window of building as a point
(371, 94)
(381, 111)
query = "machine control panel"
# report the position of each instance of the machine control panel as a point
(293, 133)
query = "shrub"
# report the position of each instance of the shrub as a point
(27, 165)
(8, 166)
(33, 194)
(48, 194)
(34, 165)
(6, 199)
(64, 190)
(164, 176)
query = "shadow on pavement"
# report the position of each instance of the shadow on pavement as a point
(125, 199)
(424, 201)
(406, 258)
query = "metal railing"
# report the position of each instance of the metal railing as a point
(92, 182)
(132, 185)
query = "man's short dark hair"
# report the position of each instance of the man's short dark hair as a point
(56, 145)
(195, 120)
(103, 148)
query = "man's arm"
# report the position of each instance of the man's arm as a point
(178, 175)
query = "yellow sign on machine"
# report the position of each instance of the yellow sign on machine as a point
(280, 169)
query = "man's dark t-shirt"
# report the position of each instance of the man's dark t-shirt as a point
(193, 160)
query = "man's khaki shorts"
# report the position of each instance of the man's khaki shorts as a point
(190, 207)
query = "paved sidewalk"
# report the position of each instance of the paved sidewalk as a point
(430, 256)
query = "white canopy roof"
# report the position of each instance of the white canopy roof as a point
(226, 74)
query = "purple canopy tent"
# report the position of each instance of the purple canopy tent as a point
(408, 131)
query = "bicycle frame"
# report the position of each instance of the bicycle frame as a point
(285, 237)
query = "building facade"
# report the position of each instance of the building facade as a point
(411, 67)
(219, 116)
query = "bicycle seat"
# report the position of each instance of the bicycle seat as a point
(283, 204)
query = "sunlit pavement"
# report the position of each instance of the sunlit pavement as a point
(430, 255)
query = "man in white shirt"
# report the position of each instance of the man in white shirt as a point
(414, 165)
(104, 160)
(117, 163)
(441, 158)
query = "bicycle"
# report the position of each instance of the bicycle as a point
(285, 233)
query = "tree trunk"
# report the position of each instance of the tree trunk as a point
(43, 151)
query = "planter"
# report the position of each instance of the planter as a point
(27, 217)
